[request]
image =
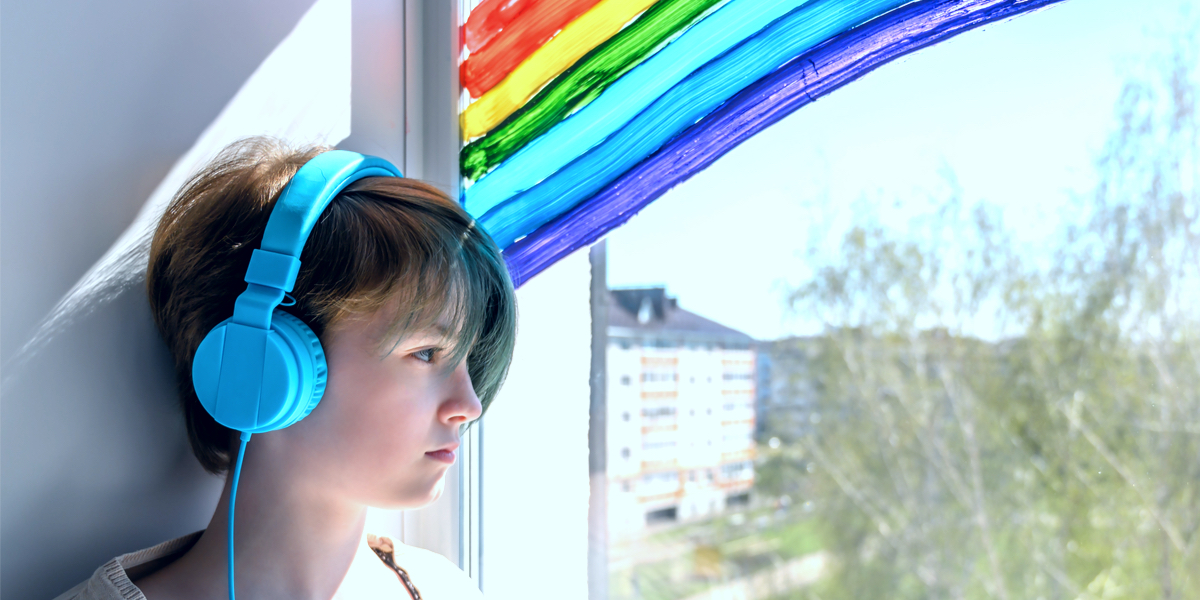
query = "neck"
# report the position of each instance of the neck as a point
(291, 540)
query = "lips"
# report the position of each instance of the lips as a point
(445, 454)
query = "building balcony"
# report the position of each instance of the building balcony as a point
(739, 455)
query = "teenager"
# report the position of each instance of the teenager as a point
(414, 312)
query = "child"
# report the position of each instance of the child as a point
(415, 315)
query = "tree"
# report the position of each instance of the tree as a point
(1061, 459)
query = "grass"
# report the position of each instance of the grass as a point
(722, 549)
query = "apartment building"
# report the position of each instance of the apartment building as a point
(680, 412)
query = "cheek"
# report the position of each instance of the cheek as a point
(374, 414)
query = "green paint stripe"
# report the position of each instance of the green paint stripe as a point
(582, 83)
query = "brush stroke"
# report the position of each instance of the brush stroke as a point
(575, 40)
(681, 107)
(810, 76)
(582, 83)
(538, 23)
(623, 100)
(488, 19)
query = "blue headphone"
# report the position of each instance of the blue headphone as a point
(263, 369)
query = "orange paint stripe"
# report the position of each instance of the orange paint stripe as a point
(539, 22)
(488, 19)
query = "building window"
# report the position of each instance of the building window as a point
(624, 452)
(625, 416)
(658, 411)
(624, 380)
(646, 445)
(660, 376)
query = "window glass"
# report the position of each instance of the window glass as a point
(934, 336)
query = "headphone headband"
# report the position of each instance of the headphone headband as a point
(274, 266)
(311, 190)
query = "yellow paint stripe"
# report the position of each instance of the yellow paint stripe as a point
(576, 39)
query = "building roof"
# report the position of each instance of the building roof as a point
(649, 311)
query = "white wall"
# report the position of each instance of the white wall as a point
(99, 100)
(535, 445)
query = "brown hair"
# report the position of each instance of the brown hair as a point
(382, 242)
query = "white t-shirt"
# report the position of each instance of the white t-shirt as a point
(432, 576)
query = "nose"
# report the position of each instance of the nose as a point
(461, 404)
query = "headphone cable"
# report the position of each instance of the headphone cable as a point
(237, 473)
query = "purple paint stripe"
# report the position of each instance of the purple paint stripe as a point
(813, 74)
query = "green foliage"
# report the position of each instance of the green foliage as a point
(1057, 456)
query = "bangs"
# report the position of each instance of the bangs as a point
(400, 245)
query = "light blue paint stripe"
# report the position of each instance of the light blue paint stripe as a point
(681, 107)
(622, 101)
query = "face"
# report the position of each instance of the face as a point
(370, 438)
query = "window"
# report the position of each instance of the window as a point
(657, 412)
(920, 362)
(658, 445)
(657, 376)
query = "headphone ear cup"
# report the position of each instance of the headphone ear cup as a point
(310, 358)
(256, 381)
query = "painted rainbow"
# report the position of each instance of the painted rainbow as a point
(585, 111)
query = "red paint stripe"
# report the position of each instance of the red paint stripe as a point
(524, 34)
(490, 18)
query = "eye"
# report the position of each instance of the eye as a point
(426, 355)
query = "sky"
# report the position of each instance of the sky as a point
(1017, 110)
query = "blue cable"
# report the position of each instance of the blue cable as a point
(237, 473)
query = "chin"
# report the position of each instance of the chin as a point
(411, 499)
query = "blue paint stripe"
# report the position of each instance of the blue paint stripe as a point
(681, 107)
(627, 97)
(812, 75)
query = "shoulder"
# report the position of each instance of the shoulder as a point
(433, 574)
(112, 580)
(108, 582)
